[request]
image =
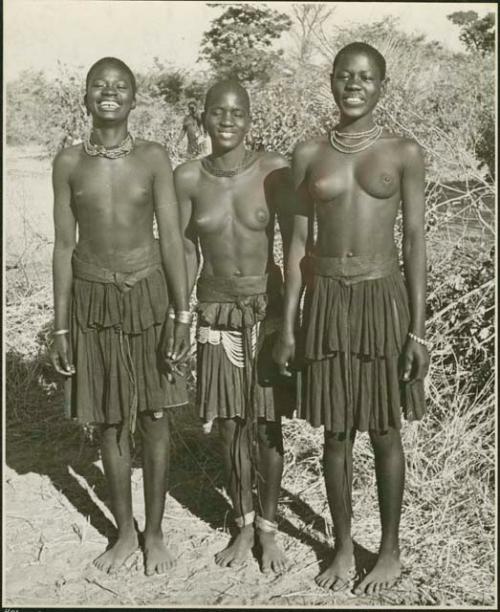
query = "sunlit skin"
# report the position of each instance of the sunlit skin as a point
(231, 222)
(112, 202)
(356, 198)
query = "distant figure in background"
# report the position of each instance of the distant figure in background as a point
(364, 343)
(192, 128)
(112, 338)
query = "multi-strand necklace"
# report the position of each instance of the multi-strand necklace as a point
(98, 150)
(361, 140)
(248, 159)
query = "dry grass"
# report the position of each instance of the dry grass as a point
(448, 522)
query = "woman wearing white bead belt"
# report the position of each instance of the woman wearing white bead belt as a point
(365, 354)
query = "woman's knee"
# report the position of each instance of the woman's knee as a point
(336, 442)
(386, 441)
(152, 428)
(269, 435)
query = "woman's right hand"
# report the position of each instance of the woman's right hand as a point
(284, 353)
(59, 356)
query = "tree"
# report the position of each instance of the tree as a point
(239, 42)
(476, 34)
(310, 19)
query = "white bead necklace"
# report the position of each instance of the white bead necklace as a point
(355, 135)
(344, 147)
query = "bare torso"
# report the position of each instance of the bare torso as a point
(356, 197)
(234, 218)
(112, 200)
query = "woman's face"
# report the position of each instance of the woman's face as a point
(227, 119)
(110, 94)
(356, 84)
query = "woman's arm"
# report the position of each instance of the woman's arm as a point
(171, 244)
(183, 180)
(415, 355)
(300, 208)
(64, 244)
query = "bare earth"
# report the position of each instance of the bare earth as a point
(56, 514)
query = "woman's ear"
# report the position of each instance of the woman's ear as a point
(383, 86)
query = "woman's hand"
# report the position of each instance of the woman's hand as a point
(181, 342)
(284, 353)
(59, 356)
(414, 361)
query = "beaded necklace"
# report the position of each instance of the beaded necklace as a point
(98, 150)
(371, 136)
(355, 135)
(248, 159)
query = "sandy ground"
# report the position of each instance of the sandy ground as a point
(57, 520)
(56, 512)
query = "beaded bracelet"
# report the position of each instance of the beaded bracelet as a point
(60, 332)
(425, 343)
(171, 313)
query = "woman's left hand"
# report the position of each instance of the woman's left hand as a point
(415, 361)
(181, 343)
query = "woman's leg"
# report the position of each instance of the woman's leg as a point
(115, 450)
(390, 472)
(237, 460)
(270, 468)
(337, 466)
(155, 453)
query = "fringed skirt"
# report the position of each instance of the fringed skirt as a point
(355, 324)
(238, 323)
(117, 322)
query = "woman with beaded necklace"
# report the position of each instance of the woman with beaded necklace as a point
(364, 350)
(229, 201)
(111, 340)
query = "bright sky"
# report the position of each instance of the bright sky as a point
(38, 33)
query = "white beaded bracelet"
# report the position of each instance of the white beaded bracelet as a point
(425, 343)
(61, 332)
(171, 313)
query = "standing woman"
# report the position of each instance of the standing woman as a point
(111, 300)
(364, 324)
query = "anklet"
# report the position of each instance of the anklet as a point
(265, 525)
(425, 343)
(246, 519)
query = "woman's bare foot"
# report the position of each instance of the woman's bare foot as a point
(111, 560)
(157, 557)
(384, 574)
(273, 558)
(238, 551)
(341, 569)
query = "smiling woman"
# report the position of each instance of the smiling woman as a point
(364, 351)
(111, 300)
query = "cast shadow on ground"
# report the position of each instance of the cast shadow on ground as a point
(39, 439)
(197, 477)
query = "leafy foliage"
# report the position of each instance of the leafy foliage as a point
(27, 101)
(239, 42)
(476, 34)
